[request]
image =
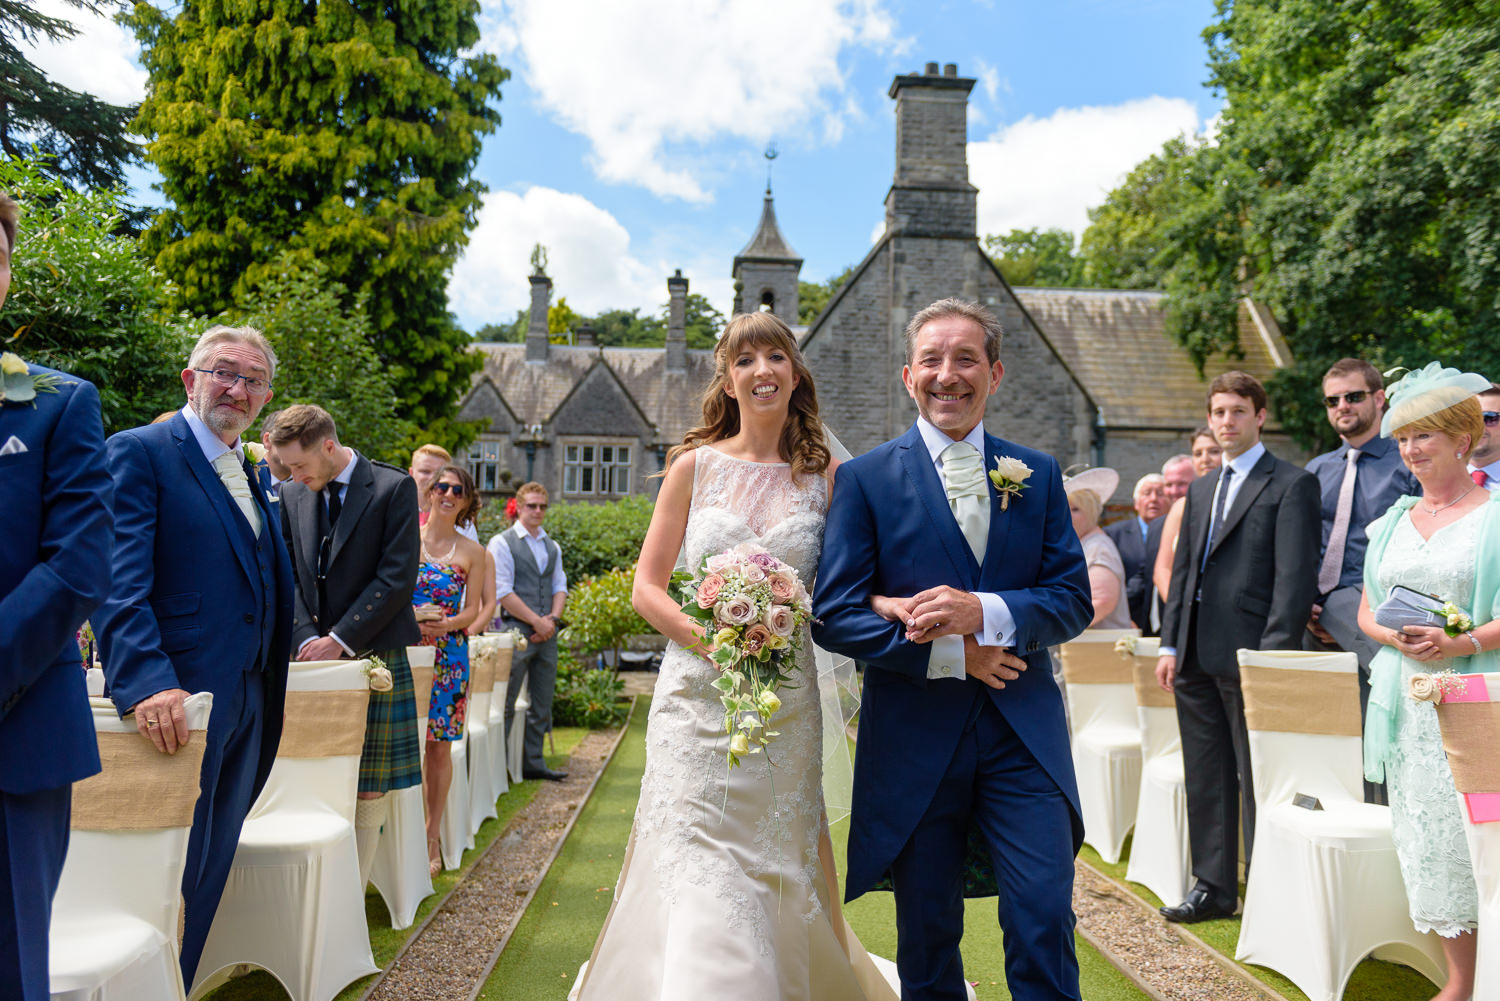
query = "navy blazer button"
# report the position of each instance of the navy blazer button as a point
(249, 617)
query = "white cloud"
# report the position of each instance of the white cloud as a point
(99, 59)
(589, 257)
(1045, 172)
(649, 82)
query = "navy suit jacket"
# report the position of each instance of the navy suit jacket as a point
(54, 571)
(188, 609)
(890, 531)
(1139, 557)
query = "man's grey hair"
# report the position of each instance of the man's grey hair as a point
(1176, 460)
(1150, 479)
(214, 337)
(957, 307)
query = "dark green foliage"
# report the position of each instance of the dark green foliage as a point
(343, 131)
(594, 538)
(1035, 257)
(81, 137)
(85, 300)
(1125, 246)
(587, 697)
(813, 296)
(600, 615)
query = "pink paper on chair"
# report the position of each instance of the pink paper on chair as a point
(1484, 807)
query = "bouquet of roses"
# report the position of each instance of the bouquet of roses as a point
(753, 608)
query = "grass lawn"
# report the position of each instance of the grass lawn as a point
(557, 933)
(1372, 980)
(386, 941)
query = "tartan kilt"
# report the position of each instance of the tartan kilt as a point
(392, 756)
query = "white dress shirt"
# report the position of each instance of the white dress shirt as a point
(340, 482)
(946, 659)
(505, 563)
(213, 446)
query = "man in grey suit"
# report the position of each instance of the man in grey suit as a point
(1244, 576)
(531, 588)
(351, 526)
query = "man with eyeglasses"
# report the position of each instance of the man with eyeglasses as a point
(531, 588)
(202, 600)
(1484, 464)
(1359, 481)
(351, 525)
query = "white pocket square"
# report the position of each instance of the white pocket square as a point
(13, 446)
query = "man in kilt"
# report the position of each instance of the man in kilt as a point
(351, 526)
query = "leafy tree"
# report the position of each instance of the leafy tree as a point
(501, 333)
(84, 298)
(324, 356)
(601, 616)
(561, 320)
(627, 328)
(1124, 245)
(344, 131)
(701, 320)
(81, 137)
(813, 296)
(1035, 257)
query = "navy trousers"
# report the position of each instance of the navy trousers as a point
(996, 783)
(33, 843)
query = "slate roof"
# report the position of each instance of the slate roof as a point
(1116, 343)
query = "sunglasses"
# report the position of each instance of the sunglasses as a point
(457, 489)
(536, 507)
(1491, 418)
(1357, 396)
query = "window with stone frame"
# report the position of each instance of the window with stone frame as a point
(485, 464)
(597, 468)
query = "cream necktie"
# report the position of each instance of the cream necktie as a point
(963, 480)
(233, 474)
(1338, 536)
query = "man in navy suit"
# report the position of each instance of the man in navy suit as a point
(951, 587)
(54, 569)
(202, 599)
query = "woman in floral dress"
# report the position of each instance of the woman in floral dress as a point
(444, 609)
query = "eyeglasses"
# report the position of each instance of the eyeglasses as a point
(457, 489)
(1351, 398)
(1491, 418)
(225, 378)
(536, 507)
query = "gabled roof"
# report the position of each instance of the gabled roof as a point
(767, 244)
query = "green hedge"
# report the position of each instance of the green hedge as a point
(594, 538)
(587, 697)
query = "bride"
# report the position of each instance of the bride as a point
(728, 883)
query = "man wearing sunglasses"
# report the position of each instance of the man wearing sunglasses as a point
(531, 587)
(1484, 464)
(1360, 480)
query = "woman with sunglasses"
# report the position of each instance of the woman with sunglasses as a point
(445, 608)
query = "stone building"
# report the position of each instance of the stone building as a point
(1090, 375)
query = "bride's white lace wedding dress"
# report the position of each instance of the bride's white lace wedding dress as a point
(722, 891)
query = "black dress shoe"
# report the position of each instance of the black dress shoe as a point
(543, 773)
(1199, 906)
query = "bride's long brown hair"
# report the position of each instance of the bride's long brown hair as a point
(801, 444)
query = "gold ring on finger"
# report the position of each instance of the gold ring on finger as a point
(150, 723)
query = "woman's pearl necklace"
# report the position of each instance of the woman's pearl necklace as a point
(1434, 511)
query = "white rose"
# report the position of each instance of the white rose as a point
(736, 611)
(1013, 469)
(381, 680)
(1425, 688)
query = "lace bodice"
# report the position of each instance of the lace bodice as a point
(735, 501)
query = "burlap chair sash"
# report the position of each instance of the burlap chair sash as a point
(421, 682)
(1094, 664)
(1291, 701)
(1148, 694)
(502, 666)
(323, 724)
(140, 788)
(482, 670)
(1471, 734)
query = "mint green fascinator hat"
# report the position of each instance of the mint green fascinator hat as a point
(1425, 392)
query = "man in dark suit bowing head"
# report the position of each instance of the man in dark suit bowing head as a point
(202, 600)
(1244, 576)
(351, 524)
(54, 570)
(949, 566)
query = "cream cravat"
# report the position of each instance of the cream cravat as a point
(233, 474)
(1338, 536)
(963, 480)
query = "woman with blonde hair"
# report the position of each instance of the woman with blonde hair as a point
(1445, 542)
(1207, 456)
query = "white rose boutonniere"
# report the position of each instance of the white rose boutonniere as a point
(1009, 477)
(255, 453)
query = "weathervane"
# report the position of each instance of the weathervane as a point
(770, 156)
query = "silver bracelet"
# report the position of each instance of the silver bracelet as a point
(1478, 647)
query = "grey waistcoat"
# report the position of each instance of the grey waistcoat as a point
(533, 585)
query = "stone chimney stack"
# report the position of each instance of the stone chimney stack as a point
(931, 194)
(677, 290)
(586, 336)
(537, 342)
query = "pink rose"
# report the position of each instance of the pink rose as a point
(737, 611)
(765, 561)
(752, 573)
(783, 587)
(720, 562)
(708, 591)
(779, 619)
(755, 638)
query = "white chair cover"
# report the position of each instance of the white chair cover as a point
(293, 905)
(499, 771)
(94, 679)
(515, 742)
(483, 652)
(1473, 741)
(114, 919)
(1106, 737)
(1159, 856)
(400, 868)
(1325, 888)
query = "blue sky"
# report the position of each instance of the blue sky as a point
(633, 130)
